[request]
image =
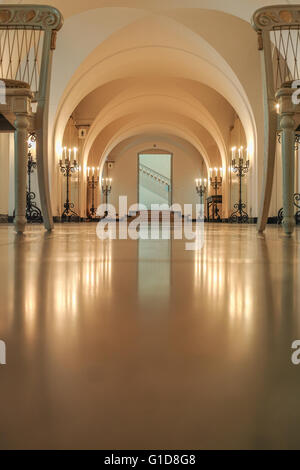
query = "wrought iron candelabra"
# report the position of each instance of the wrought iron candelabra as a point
(33, 213)
(67, 168)
(106, 190)
(93, 182)
(216, 183)
(240, 168)
(201, 188)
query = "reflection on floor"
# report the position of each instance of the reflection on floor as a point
(143, 345)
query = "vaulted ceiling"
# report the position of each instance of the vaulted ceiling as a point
(131, 67)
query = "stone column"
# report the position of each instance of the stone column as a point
(287, 124)
(21, 150)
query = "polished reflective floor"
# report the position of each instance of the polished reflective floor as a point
(143, 345)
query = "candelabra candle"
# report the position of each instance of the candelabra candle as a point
(67, 168)
(33, 213)
(93, 182)
(240, 169)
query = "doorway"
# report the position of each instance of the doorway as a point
(155, 178)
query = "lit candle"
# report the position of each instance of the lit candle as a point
(216, 170)
(200, 182)
(93, 171)
(88, 171)
(75, 153)
(221, 172)
(241, 155)
(65, 152)
(70, 151)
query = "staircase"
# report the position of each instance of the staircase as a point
(155, 188)
(156, 178)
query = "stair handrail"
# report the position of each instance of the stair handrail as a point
(165, 179)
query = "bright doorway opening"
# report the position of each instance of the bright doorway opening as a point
(155, 179)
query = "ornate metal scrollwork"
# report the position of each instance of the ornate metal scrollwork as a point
(33, 213)
(297, 215)
(69, 214)
(297, 139)
(279, 137)
(239, 216)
